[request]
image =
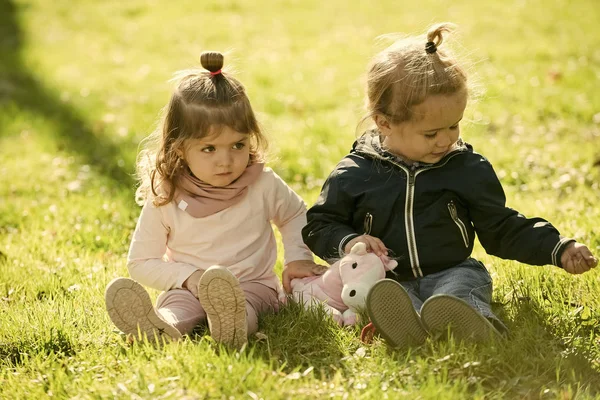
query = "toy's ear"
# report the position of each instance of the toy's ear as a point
(359, 248)
(389, 263)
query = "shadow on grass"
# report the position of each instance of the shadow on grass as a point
(534, 356)
(22, 91)
(548, 351)
(534, 362)
(297, 339)
(54, 342)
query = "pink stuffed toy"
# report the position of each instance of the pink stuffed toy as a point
(343, 288)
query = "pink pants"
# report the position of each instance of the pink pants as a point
(181, 309)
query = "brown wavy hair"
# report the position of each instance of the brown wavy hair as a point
(203, 102)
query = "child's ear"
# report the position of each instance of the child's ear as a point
(383, 124)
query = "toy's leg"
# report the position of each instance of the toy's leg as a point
(309, 301)
(350, 317)
(335, 314)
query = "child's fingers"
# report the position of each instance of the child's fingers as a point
(376, 245)
(287, 279)
(584, 256)
(581, 251)
(589, 258)
(568, 266)
(580, 264)
(299, 270)
(286, 282)
(572, 266)
(319, 269)
(373, 244)
(577, 268)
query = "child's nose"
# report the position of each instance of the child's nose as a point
(225, 158)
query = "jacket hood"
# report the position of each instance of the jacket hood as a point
(369, 145)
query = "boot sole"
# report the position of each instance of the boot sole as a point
(130, 309)
(443, 312)
(224, 302)
(394, 316)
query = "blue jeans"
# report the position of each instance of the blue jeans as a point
(469, 281)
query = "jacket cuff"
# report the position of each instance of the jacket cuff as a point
(345, 241)
(558, 250)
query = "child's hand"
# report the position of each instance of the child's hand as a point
(577, 259)
(374, 245)
(300, 269)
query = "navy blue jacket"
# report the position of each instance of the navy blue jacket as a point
(426, 214)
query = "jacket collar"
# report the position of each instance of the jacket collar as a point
(369, 145)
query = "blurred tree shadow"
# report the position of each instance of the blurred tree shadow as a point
(22, 90)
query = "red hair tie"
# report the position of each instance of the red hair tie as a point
(215, 73)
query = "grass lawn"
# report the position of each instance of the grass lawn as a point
(81, 83)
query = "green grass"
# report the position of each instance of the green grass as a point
(82, 83)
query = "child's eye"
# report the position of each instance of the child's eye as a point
(431, 135)
(208, 149)
(453, 128)
(239, 146)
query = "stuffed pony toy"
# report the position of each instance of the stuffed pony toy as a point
(343, 288)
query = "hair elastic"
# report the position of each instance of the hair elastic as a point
(430, 47)
(215, 72)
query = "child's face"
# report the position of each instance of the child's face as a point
(218, 159)
(432, 131)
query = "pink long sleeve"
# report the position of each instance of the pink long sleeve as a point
(169, 245)
(288, 213)
(146, 259)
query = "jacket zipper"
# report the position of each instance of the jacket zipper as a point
(410, 224)
(368, 224)
(408, 212)
(458, 222)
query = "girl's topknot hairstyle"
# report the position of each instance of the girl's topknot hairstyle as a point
(411, 69)
(434, 35)
(212, 61)
(201, 105)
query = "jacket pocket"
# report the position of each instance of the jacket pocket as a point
(461, 226)
(368, 224)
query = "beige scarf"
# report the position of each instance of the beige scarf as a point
(199, 199)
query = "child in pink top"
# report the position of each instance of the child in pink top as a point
(204, 235)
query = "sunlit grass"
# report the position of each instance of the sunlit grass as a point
(81, 85)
